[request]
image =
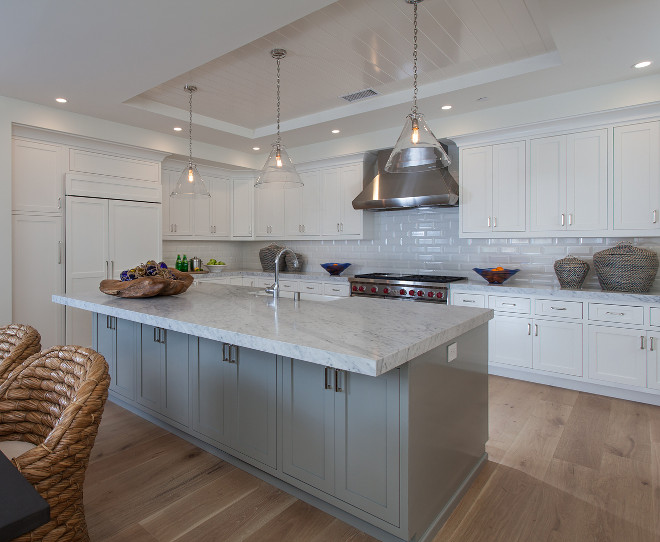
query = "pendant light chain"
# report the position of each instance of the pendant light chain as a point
(278, 101)
(414, 107)
(190, 127)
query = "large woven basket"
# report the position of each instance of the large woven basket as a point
(571, 272)
(267, 257)
(625, 268)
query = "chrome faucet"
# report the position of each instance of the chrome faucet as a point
(275, 287)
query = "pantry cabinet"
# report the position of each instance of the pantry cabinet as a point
(330, 422)
(493, 188)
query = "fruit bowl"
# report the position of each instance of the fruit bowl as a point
(497, 275)
(335, 268)
(215, 268)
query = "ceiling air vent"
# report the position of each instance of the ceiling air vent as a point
(360, 95)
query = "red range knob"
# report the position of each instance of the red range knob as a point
(361, 288)
(355, 288)
(420, 293)
(439, 295)
(411, 292)
(374, 289)
(386, 290)
(430, 294)
(402, 292)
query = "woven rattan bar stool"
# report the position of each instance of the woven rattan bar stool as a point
(50, 410)
(17, 343)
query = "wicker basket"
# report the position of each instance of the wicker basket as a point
(571, 272)
(267, 257)
(625, 268)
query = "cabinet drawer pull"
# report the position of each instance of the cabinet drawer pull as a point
(59, 252)
(558, 308)
(529, 329)
(59, 203)
(641, 342)
(655, 215)
(509, 305)
(489, 222)
(155, 337)
(326, 381)
(563, 219)
(309, 287)
(651, 345)
(570, 219)
(536, 330)
(335, 289)
(615, 313)
(233, 353)
(303, 228)
(337, 226)
(338, 388)
(341, 226)
(225, 356)
(494, 222)
(468, 300)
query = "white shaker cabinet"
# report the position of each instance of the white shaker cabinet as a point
(302, 207)
(269, 211)
(177, 212)
(637, 176)
(493, 188)
(339, 187)
(568, 182)
(617, 355)
(241, 208)
(212, 216)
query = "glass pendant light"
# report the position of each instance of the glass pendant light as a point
(190, 183)
(278, 171)
(417, 149)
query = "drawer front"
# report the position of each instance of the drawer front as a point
(551, 307)
(622, 314)
(289, 285)
(261, 282)
(330, 288)
(311, 287)
(502, 303)
(469, 300)
(215, 281)
(654, 318)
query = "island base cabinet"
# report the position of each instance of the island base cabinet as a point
(234, 398)
(163, 373)
(340, 434)
(116, 340)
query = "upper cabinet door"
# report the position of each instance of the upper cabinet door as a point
(351, 185)
(476, 194)
(548, 183)
(330, 202)
(509, 187)
(220, 223)
(586, 181)
(269, 212)
(637, 176)
(241, 208)
(180, 209)
(38, 176)
(310, 210)
(293, 206)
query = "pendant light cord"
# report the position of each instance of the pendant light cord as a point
(278, 102)
(414, 107)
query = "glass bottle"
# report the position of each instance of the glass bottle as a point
(178, 262)
(184, 263)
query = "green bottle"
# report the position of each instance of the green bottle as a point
(184, 263)
(178, 262)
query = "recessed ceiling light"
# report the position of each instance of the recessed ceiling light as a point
(177, 128)
(335, 131)
(256, 148)
(60, 100)
(643, 64)
(446, 107)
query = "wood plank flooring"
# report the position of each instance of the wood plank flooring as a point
(564, 466)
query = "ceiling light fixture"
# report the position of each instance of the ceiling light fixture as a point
(643, 64)
(190, 182)
(278, 171)
(417, 149)
(336, 131)
(256, 148)
(446, 107)
(61, 100)
(177, 128)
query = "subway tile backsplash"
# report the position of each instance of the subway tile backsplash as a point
(419, 241)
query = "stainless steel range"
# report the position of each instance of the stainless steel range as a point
(432, 288)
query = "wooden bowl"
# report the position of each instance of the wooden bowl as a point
(148, 286)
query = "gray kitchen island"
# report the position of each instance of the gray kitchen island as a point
(373, 410)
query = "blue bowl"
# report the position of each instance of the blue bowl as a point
(496, 277)
(335, 268)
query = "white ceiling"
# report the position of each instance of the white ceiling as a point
(128, 61)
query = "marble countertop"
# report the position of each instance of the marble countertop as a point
(589, 294)
(362, 335)
(322, 277)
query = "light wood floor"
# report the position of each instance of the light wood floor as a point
(563, 466)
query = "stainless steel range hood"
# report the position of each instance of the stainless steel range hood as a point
(390, 191)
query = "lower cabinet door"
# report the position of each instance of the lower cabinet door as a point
(255, 382)
(175, 376)
(510, 341)
(150, 369)
(308, 423)
(558, 347)
(126, 356)
(210, 393)
(617, 355)
(367, 428)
